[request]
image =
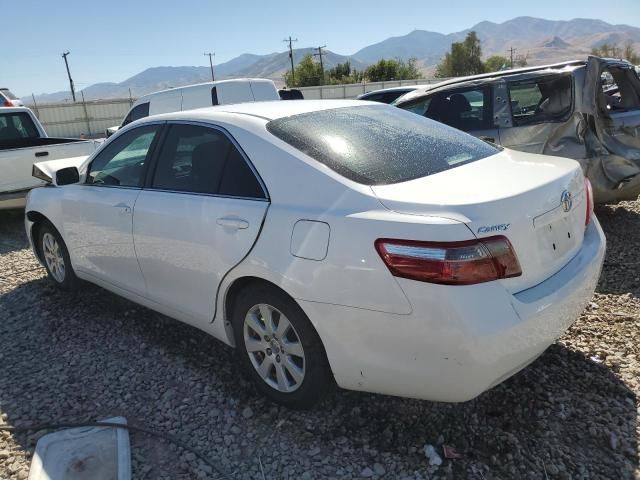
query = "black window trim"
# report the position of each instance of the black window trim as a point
(151, 154)
(154, 163)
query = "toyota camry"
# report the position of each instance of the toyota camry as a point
(330, 242)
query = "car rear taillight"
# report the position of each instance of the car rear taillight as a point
(588, 191)
(450, 263)
(7, 103)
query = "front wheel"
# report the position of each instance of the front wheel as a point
(279, 348)
(55, 256)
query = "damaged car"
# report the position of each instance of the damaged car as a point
(585, 110)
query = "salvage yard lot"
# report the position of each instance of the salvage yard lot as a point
(64, 358)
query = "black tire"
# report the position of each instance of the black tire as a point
(317, 378)
(68, 280)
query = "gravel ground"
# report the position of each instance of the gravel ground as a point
(572, 414)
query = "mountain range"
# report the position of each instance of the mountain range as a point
(540, 41)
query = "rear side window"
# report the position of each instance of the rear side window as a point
(136, 113)
(379, 144)
(7, 93)
(387, 97)
(419, 106)
(16, 126)
(545, 99)
(198, 159)
(214, 96)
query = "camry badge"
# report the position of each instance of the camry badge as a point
(566, 200)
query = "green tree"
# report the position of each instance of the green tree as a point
(464, 58)
(307, 74)
(342, 73)
(615, 51)
(630, 54)
(496, 63)
(385, 70)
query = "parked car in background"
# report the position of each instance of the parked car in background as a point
(429, 276)
(585, 110)
(387, 95)
(290, 94)
(200, 95)
(8, 99)
(23, 140)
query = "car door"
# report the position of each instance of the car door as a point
(539, 105)
(198, 218)
(98, 214)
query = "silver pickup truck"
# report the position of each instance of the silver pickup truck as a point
(23, 141)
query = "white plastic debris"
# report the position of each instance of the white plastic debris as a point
(432, 455)
(85, 453)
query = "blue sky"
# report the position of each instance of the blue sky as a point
(111, 40)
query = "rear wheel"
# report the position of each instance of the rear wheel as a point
(55, 256)
(279, 348)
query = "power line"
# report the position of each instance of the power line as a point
(211, 63)
(319, 54)
(73, 90)
(293, 72)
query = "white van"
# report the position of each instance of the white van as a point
(199, 96)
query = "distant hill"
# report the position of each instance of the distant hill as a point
(541, 41)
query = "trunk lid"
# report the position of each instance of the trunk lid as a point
(537, 202)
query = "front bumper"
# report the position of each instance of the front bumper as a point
(458, 341)
(13, 200)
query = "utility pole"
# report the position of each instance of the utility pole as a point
(319, 54)
(511, 52)
(293, 71)
(73, 90)
(211, 63)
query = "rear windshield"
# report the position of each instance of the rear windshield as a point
(379, 144)
(8, 94)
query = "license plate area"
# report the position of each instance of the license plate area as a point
(557, 238)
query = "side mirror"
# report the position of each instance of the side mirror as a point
(67, 176)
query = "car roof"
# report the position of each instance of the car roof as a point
(267, 111)
(210, 84)
(14, 109)
(568, 65)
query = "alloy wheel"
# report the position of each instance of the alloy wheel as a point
(274, 348)
(53, 257)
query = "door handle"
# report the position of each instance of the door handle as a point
(42, 154)
(124, 208)
(233, 222)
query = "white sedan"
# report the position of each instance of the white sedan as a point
(328, 241)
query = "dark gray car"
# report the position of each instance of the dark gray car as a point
(585, 110)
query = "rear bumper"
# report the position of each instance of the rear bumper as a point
(458, 341)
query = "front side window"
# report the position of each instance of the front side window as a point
(379, 144)
(544, 99)
(16, 126)
(199, 159)
(136, 113)
(121, 162)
